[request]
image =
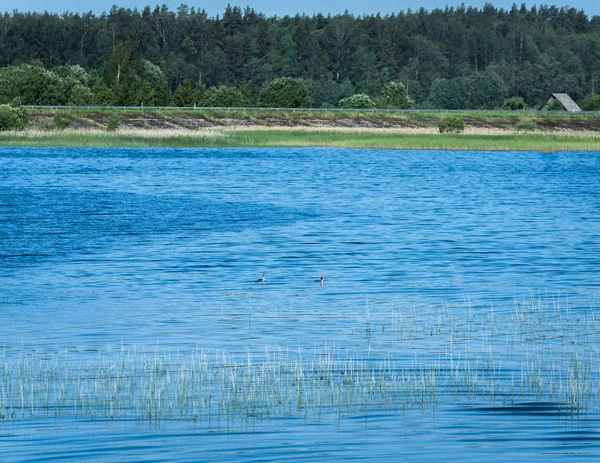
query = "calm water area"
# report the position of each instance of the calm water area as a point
(429, 258)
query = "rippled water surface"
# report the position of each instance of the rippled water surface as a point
(475, 271)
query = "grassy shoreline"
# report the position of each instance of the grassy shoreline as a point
(417, 139)
(238, 128)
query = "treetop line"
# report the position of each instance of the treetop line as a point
(454, 58)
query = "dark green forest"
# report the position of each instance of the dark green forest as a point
(453, 58)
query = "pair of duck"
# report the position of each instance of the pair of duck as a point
(263, 278)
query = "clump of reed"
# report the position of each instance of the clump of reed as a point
(545, 351)
(163, 386)
(526, 125)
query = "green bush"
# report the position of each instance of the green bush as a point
(358, 101)
(555, 106)
(76, 84)
(285, 92)
(223, 96)
(451, 124)
(32, 84)
(80, 95)
(515, 103)
(12, 118)
(60, 122)
(591, 102)
(113, 122)
(526, 125)
(185, 95)
(394, 95)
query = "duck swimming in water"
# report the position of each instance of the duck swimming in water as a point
(321, 280)
(262, 279)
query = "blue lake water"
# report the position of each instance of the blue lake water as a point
(159, 250)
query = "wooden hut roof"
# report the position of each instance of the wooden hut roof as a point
(567, 102)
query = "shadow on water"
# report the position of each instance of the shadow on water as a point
(38, 224)
(529, 409)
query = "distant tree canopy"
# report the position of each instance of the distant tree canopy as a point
(285, 92)
(450, 58)
(478, 90)
(130, 81)
(33, 84)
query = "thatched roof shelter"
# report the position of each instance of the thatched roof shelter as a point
(565, 100)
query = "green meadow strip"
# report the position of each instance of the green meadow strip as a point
(308, 137)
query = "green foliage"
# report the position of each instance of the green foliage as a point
(555, 106)
(485, 89)
(451, 124)
(80, 95)
(394, 95)
(358, 101)
(32, 84)
(285, 92)
(326, 93)
(448, 94)
(103, 95)
(526, 125)
(128, 89)
(72, 73)
(60, 122)
(15, 102)
(185, 95)
(12, 118)
(245, 93)
(516, 103)
(130, 81)
(224, 96)
(478, 90)
(154, 90)
(121, 61)
(76, 84)
(591, 102)
(143, 55)
(113, 122)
